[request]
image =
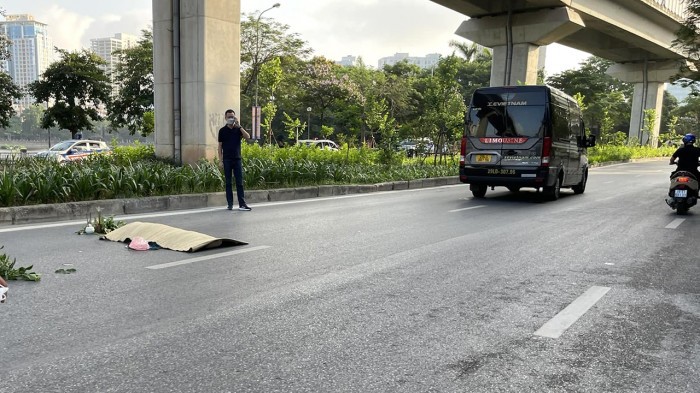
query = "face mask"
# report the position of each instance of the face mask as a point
(230, 120)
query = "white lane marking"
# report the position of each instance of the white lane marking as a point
(675, 223)
(42, 226)
(206, 258)
(608, 182)
(467, 208)
(556, 326)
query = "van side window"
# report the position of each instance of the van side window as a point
(560, 121)
(576, 131)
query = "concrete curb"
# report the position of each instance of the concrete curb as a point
(83, 210)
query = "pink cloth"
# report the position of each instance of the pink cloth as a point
(139, 244)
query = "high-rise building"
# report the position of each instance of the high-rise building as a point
(347, 61)
(31, 51)
(424, 62)
(105, 48)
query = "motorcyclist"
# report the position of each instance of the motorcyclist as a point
(688, 157)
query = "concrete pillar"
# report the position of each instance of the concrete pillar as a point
(649, 85)
(516, 40)
(163, 77)
(196, 71)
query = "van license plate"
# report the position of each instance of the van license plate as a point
(681, 193)
(483, 158)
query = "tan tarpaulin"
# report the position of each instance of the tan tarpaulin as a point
(169, 237)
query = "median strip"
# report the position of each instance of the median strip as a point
(556, 326)
(206, 258)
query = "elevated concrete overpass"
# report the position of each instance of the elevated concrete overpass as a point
(197, 55)
(636, 34)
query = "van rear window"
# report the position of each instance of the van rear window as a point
(507, 115)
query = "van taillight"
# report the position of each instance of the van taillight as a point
(546, 150)
(463, 151)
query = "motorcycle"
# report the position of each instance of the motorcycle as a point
(683, 191)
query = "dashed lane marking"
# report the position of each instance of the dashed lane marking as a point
(467, 208)
(556, 326)
(675, 223)
(206, 258)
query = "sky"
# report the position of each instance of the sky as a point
(370, 29)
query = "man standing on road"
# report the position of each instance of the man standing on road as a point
(230, 137)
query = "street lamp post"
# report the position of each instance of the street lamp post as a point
(308, 122)
(257, 48)
(256, 69)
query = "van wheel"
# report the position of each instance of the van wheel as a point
(514, 189)
(478, 191)
(551, 193)
(581, 187)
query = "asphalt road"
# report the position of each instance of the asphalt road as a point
(425, 290)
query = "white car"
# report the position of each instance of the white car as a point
(74, 150)
(320, 143)
(417, 147)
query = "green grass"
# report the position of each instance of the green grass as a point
(134, 171)
(611, 153)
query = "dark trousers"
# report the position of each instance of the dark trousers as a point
(234, 165)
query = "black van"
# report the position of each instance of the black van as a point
(524, 136)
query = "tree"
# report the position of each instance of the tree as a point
(472, 75)
(649, 124)
(134, 78)
(688, 113)
(472, 52)
(76, 87)
(443, 105)
(292, 126)
(351, 113)
(30, 121)
(399, 91)
(10, 93)
(270, 75)
(262, 41)
(4, 42)
(378, 121)
(688, 40)
(268, 114)
(323, 84)
(149, 123)
(669, 104)
(327, 131)
(603, 94)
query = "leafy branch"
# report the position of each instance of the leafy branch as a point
(9, 272)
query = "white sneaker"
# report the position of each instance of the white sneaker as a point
(3, 293)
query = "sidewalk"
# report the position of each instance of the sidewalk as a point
(81, 210)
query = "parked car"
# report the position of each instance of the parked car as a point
(319, 143)
(74, 150)
(416, 147)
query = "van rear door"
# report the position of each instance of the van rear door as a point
(506, 130)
